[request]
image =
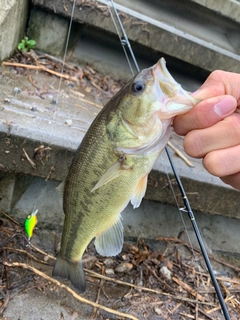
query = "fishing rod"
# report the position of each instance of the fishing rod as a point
(126, 44)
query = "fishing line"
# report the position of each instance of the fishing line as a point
(55, 101)
(123, 43)
(184, 196)
(180, 210)
(123, 38)
(65, 51)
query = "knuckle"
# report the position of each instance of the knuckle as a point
(233, 127)
(215, 164)
(202, 119)
(192, 144)
(217, 75)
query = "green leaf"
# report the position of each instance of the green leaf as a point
(31, 43)
(21, 46)
(26, 44)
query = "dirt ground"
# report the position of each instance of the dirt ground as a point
(162, 279)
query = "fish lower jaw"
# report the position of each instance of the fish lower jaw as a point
(176, 108)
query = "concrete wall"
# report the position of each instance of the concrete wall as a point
(49, 31)
(13, 19)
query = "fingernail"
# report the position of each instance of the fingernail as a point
(195, 92)
(225, 106)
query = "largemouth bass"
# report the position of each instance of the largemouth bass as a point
(111, 166)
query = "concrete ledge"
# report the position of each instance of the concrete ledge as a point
(45, 30)
(195, 41)
(12, 187)
(227, 8)
(13, 19)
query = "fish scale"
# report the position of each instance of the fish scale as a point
(111, 166)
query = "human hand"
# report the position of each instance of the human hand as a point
(212, 127)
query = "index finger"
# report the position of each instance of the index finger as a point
(219, 83)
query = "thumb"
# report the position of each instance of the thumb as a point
(205, 114)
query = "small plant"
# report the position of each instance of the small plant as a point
(26, 44)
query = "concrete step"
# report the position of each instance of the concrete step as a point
(202, 35)
(29, 122)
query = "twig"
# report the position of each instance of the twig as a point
(196, 307)
(180, 298)
(32, 82)
(6, 271)
(29, 160)
(74, 294)
(224, 287)
(10, 218)
(5, 304)
(97, 87)
(40, 68)
(219, 307)
(176, 240)
(77, 93)
(180, 154)
(27, 253)
(163, 283)
(188, 289)
(189, 316)
(42, 252)
(94, 314)
(52, 169)
(87, 101)
(202, 311)
(17, 234)
(99, 276)
(175, 308)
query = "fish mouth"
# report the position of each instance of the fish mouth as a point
(176, 100)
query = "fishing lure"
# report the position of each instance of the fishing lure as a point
(30, 223)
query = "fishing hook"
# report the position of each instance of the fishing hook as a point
(125, 43)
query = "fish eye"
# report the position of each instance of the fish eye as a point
(138, 87)
(29, 216)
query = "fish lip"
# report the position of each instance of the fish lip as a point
(173, 93)
(160, 69)
(161, 72)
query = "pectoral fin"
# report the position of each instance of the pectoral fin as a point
(112, 173)
(109, 243)
(139, 192)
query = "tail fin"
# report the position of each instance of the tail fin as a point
(73, 271)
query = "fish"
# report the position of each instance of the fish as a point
(30, 223)
(111, 166)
